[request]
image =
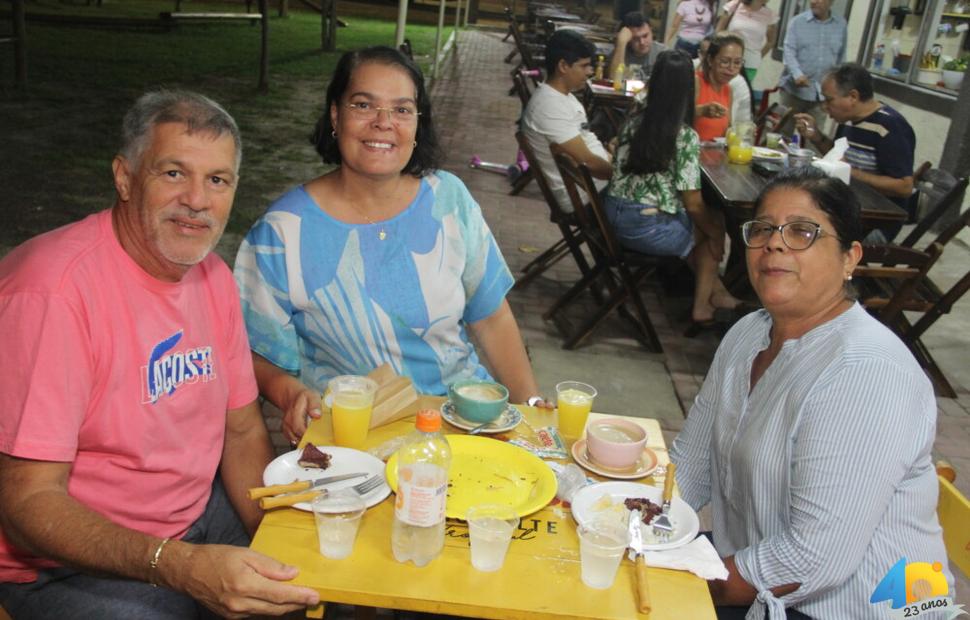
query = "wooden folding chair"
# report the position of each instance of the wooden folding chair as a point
(572, 238)
(521, 88)
(770, 116)
(621, 269)
(892, 280)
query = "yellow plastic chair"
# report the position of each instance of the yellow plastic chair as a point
(953, 510)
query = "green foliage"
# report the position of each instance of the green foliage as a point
(957, 64)
(60, 137)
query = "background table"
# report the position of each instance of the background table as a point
(540, 578)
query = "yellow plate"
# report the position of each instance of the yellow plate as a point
(489, 471)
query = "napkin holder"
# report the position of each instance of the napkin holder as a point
(395, 398)
(832, 163)
(838, 169)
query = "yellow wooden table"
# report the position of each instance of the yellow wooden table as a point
(540, 577)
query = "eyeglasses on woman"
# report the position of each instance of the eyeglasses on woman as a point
(399, 114)
(795, 235)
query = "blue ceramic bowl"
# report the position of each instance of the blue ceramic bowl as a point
(478, 401)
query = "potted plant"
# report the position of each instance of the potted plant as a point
(953, 71)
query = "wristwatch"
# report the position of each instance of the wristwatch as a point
(534, 400)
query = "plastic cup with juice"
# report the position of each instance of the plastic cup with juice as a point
(353, 401)
(740, 153)
(574, 401)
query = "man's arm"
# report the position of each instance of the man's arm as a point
(577, 149)
(886, 185)
(39, 516)
(245, 454)
(619, 51)
(805, 124)
(735, 591)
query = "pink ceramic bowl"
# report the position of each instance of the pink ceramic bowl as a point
(615, 443)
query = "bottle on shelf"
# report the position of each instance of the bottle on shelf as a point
(599, 67)
(418, 533)
(877, 57)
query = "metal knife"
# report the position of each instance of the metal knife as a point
(299, 485)
(636, 548)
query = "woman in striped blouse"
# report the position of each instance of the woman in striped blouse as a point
(811, 436)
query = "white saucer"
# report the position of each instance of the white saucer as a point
(644, 467)
(509, 419)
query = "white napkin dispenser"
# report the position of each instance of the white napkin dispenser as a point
(838, 169)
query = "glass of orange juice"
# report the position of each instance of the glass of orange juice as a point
(740, 153)
(353, 401)
(574, 401)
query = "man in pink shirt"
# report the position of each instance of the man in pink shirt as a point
(126, 386)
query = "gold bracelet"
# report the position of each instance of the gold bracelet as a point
(154, 563)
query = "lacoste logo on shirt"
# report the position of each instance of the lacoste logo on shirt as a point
(167, 371)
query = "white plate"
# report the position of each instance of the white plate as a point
(509, 419)
(285, 469)
(589, 504)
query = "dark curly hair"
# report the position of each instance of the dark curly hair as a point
(427, 154)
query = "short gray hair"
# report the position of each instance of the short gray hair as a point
(197, 112)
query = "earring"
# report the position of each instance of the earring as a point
(333, 133)
(848, 278)
(414, 144)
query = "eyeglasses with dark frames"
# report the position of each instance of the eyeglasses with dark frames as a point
(402, 114)
(730, 62)
(795, 235)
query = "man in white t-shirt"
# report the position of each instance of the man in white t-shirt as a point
(555, 118)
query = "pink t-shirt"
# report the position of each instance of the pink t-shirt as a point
(695, 21)
(753, 28)
(127, 377)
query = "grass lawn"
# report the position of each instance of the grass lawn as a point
(58, 140)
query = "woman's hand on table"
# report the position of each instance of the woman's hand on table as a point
(539, 402)
(237, 582)
(303, 406)
(712, 109)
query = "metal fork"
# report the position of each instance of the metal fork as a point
(368, 485)
(662, 527)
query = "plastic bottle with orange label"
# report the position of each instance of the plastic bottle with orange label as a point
(418, 533)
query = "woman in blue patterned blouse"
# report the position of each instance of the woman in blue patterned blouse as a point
(384, 259)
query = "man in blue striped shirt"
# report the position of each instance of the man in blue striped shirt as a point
(814, 43)
(881, 141)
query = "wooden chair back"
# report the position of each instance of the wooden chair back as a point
(936, 211)
(621, 270)
(555, 211)
(521, 88)
(887, 277)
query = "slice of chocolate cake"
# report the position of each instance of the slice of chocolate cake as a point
(313, 457)
(649, 509)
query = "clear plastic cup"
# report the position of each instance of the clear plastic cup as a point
(490, 528)
(338, 517)
(601, 547)
(574, 401)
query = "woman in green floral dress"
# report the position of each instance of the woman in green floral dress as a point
(654, 199)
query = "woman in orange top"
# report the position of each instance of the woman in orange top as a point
(723, 61)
